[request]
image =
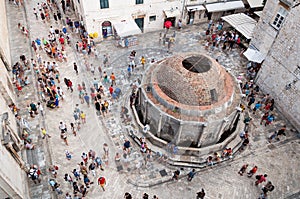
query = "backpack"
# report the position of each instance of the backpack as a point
(258, 177)
(98, 160)
(272, 188)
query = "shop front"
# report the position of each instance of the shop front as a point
(106, 29)
(172, 15)
(195, 14)
(217, 10)
(124, 33)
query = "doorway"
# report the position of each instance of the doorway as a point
(172, 19)
(191, 17)
(106, 29)
(140, 23)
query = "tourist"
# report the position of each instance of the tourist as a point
(76, 174)
(176, 175)
(243, 169)
(260, 179)
(105, 149)
(44, 133)
(127, 196)
(191, 175)
(252, 171)
(102, 182)
(201, 194)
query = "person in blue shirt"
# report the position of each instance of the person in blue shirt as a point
(191, 175)
(257, 106)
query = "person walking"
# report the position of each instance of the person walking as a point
(62, 126)
(127, 196)
(95, 83)
(63, 136)
(105, 149)
(68, 178)
(113, 79)
(201, 194)
(44, 133)
(252, 171)
(260, 179)
(68, 155)
(102, 182)
(191, 175)
(75, 68)
(98, 161)
(268, 187)
(76, 174)
(74, 130)
(84, 157)
(176, 175)
(35, 13)
(87, 99)
(111, 89)
(243, 169)
(40, 107)
(83, 117)
(143, 61)
(92, 168)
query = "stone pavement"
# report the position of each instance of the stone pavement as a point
(280, 160)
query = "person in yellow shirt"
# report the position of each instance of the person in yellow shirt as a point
(143, 61)
(44, 133)
(83, 117)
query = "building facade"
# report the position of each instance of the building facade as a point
(277, 36)
(100, 16)
(197, 11)
(103, 16)
(12, 175)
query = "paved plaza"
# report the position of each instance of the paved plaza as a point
(280, 160)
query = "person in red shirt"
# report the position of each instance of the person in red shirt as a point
(111, 89)
(62, 40)
(260, 179)
(102, 182)
(252, 171)
(70, 84)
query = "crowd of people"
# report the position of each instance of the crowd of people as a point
(102, 93)
(267, 188)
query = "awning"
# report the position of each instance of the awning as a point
(194, 8)
(127, 28)
(172, 13)
(242, 23)
(223, 6)
(254, 55)
(255, 3)
(258, 13)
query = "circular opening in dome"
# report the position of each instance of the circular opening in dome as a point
(197, 64)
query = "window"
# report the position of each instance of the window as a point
(152, 18)
(104, 4)
(139, 1)
(279, 18)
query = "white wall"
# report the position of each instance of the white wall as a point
(125, 10)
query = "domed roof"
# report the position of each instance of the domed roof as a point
(192, 80)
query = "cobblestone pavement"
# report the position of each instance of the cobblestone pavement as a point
(279, 160)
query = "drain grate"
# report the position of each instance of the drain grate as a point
(163, 173)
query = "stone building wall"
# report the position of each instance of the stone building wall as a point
(280, 73)
(12, 183)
